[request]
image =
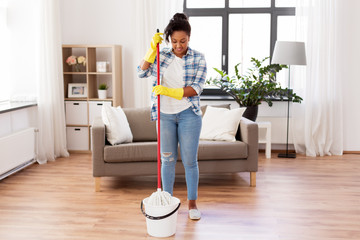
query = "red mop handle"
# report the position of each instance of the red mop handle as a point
(158, 112)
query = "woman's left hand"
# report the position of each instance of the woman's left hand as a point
(176, 93)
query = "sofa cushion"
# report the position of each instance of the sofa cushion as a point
(117, 126)
(218, 150)
(147, 151)
(204, 107)
(221, 123)
(142, 128)
(131, 152)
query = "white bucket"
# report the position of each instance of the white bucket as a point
(161, 220)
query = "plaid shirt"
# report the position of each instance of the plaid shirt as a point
(194, 76)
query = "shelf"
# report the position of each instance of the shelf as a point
(92, 73)
(75, 99)
(75, 73)
(89, 107)
(76, 125)
(88, 99)
(100, 73)
(100, 100)
(86, 46)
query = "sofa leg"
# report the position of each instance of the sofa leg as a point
(97, 184)
(252, 179)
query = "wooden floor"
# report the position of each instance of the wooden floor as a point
(303, 198)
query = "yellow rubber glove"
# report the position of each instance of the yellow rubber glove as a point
(176, 93)
(151, 53)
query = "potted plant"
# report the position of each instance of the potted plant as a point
(255, 86)
(102, 91)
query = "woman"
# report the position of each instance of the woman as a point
(182, 74)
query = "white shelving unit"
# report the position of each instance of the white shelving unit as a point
(80, 112)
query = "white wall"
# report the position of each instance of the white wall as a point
(113, 22)
(103, 22)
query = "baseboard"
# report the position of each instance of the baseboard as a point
(277, 151)
(292, 151)
(79, 151)
(351, 152)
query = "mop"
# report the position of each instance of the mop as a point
(159, 198)
(161, 207)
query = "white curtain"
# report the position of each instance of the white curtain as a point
(150, 15)
(317, 122)
(51, 114)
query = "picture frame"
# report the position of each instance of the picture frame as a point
(102, 66)
(77, 90)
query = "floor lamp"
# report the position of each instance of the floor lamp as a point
(289, 53)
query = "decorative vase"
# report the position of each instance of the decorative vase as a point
(251, 112)
(102, 94)
(77, 67)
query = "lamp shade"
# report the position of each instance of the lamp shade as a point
(289, 53)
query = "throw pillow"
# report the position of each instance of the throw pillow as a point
(117, 126)
(220, 123)
(203, 108)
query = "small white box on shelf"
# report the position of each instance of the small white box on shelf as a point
(76, 113)
(77, 138)
(102, 66)
(95, 108)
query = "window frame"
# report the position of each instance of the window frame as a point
(224, 13)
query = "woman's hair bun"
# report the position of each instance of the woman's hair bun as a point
(180, 17)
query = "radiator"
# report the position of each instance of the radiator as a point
(17, 151)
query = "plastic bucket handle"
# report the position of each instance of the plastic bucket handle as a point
(159, 217)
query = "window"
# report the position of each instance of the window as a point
(4, 62)
(249, 36)
(232, 31)
(19, 31)
(208, 33)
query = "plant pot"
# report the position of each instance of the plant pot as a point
(102, 94)
(251, 112)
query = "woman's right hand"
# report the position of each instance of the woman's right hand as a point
(151, 53)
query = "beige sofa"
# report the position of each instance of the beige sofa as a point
(140, 156)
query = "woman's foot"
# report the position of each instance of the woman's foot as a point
(194, 213)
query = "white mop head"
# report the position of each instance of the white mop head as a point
(160, 198)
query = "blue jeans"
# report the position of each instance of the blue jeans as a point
(183, 128)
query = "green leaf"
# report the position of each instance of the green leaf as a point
(219, 71)
(256, 85)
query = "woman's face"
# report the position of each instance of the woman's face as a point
(179, 41)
